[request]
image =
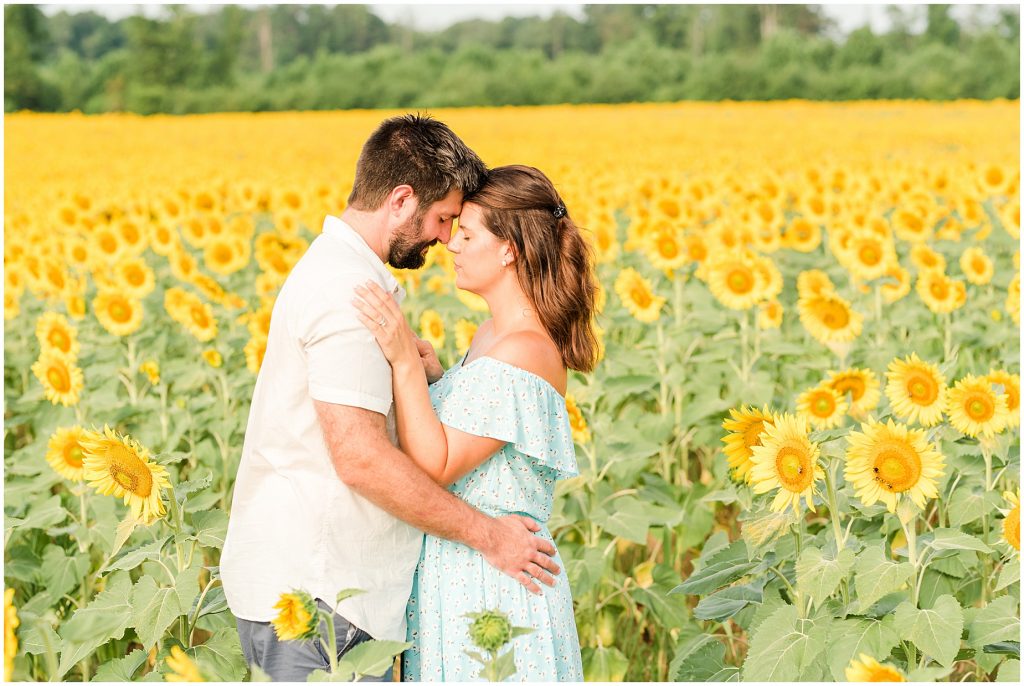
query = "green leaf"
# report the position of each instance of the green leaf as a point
(997, 621)
(1009, 575)
(723, 568)
(41, 515)
(211, 527)
(876, 576)
(629, 519)
(969, 506)
(604, 664)
(324, 675)
(106, 617)
(186, 585)
(349, 593)
(503, 667)
(954, 539)
(784, 647)
(221, 656)
(1011, 648)
(133, 558)
(192, 485)
(123, 532)
(121, 669)
(33, 639)
(1009, 671)
(723, 604)
(61, 573)
(849, 638)
(372, 658)
(818, 575)
(930, 673)
(936, 632)
(702, 658)
(153, 610)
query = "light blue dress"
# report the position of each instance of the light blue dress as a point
(488, 397)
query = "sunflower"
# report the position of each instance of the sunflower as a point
(255, 349)
(117, 313)
(1011, 388)
(11, 622)
(974, 408)
(64, 452)
(822, 407)
(735, 282)
(664, 247)
(1009, 217)
(106, 245)
(464, 332)
(432, 328)
(118, 465)
(578, 424)
(788, 460)
(916, 390)
(868, 669)
(183, 265)
(745, 431)
(162, 238)
(213, 357)
(813, 282)
(12, 306)
(183, 669)
(225, 255)
(54, 332)
(940, 293)
(297, 616)
(993, 180)
(61, 378)
(696, 247)
(258, 322)
(199, 321)
(860, 386)
(926, 259)
(769, 315)
(134, 277)
(829, 318)
(885, 460)
(870, 257)
(152, 371)
(1011, 523)
(912, 224)
(896, 284)
(976, 266)
(636, 295)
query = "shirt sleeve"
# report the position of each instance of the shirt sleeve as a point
(345, 365)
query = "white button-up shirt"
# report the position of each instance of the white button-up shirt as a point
(294, 524)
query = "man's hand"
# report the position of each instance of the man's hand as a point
(431, 365)
(514, 550)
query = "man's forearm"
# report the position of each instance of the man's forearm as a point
(394, 483)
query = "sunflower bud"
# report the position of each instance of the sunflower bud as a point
(490, 630)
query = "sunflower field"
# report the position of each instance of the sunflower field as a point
(799, 455)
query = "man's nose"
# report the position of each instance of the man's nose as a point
(445, 235)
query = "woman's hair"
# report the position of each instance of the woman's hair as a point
(554, 263)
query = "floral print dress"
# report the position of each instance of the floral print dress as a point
(488, 397)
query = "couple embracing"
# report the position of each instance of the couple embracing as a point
(366, 465)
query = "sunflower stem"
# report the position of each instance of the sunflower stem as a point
(332, 649)
(83, 546)
(834, 509)
(947, 340)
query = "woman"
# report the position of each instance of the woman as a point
(495, 427)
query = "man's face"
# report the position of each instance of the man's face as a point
(427, 226)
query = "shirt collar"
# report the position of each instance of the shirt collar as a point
(340, 230)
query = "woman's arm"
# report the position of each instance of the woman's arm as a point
(444, 453)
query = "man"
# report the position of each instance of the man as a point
(323, 499)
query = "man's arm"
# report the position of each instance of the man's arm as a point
(365, 460)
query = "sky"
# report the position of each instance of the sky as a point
(437, 16)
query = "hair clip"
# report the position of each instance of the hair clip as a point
(559, 211)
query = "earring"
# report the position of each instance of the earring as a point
(504, 263)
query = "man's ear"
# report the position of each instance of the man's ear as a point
(401, 199)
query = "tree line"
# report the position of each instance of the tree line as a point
(299, 57)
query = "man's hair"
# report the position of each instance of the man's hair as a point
(419, 151)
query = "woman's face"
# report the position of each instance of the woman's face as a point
(478, 252)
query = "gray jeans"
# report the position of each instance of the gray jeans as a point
(296, 660)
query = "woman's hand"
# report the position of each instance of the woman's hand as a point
(379, 312)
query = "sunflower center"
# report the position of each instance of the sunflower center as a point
(852, 385)
(869, 255)
(223, 254)
(640, 296)
(793, 468)
(129, 471)
(108, 243)
(120, 311)
(834, 315)
(59, 339)
(136, 277)
(897, 466)
(939, 289)
(923, 389)
(994, 176)
(73, 455)
(59, 379)
(200, 318)
(740, 281)
(823, 405)
(979, 265)
(668, 248)
(979, 407)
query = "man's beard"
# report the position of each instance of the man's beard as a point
(406, 250)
